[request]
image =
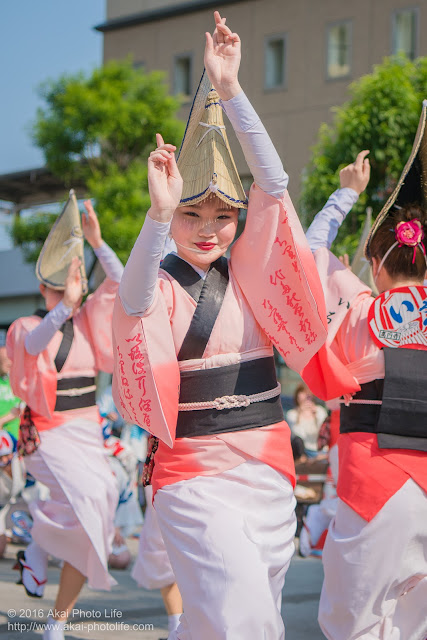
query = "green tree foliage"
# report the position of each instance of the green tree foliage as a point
(99, 130)
(382, 115)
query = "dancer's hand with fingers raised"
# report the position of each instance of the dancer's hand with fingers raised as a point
(222, 59)
(356, 175)
(345, 260)
(164, 181)
(73, 284)
(90, 226)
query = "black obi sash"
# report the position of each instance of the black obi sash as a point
(400, 421)
(247, 378)
(77, 392)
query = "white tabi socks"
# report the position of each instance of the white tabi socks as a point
(54, 629)
(34, 569)
(173, 621)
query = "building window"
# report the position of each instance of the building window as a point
(405, 32)
(182, 74)
(275, 62)
(339, 50)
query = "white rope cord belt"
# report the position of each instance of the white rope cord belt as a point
(76, 392)
(347, 402)
(231, 402)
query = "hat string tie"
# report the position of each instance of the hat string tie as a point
(210, 127)
(73, 241)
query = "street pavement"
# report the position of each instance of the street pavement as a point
(131, 613)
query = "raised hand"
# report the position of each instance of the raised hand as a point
(164, 181)
(222, 59)
(73, 284)
(345, 260)
(90, 226)
(356, 175)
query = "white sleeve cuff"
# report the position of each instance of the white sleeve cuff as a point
(240, 112)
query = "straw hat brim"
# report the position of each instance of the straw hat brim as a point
(412, 184)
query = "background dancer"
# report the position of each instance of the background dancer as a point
(353, 181)
(55, 360)
(375, 553)
(224, 491)
(152, 569)
(17, 490)
(123, 463)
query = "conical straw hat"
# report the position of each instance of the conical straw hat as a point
(65, 240)
(205, 160)
(412, 185)
(360, 265)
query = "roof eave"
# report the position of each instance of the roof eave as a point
(160, 14)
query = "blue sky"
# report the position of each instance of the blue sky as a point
(40, 39)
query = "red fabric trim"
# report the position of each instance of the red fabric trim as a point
(370, 476)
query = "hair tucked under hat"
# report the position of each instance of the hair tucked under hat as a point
(405, 260)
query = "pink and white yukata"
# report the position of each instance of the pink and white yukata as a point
(375, 555)
(77, 523)
(224, 502)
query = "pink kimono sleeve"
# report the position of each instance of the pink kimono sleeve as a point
(326, 375)
(32, 378)
(275, 269)
(97, 314)
(146, 374)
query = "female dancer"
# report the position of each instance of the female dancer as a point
(375, 556)
(223, 474)
(54, 363)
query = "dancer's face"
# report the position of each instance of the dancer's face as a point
(203, 232)
(5, 461)
(52, 297)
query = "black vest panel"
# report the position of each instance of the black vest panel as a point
(400, 422)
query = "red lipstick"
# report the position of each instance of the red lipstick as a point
(205, 246)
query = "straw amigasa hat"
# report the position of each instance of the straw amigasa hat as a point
(412, 185)
(205, 160)
(65, 240)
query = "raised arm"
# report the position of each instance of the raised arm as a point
(353, 179)
(324, 228)
(112, 266)
(38, 339)
(222, 61)
(139, 279)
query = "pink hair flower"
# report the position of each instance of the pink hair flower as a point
(410, 233)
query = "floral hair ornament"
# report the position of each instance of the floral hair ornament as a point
(409, 233)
